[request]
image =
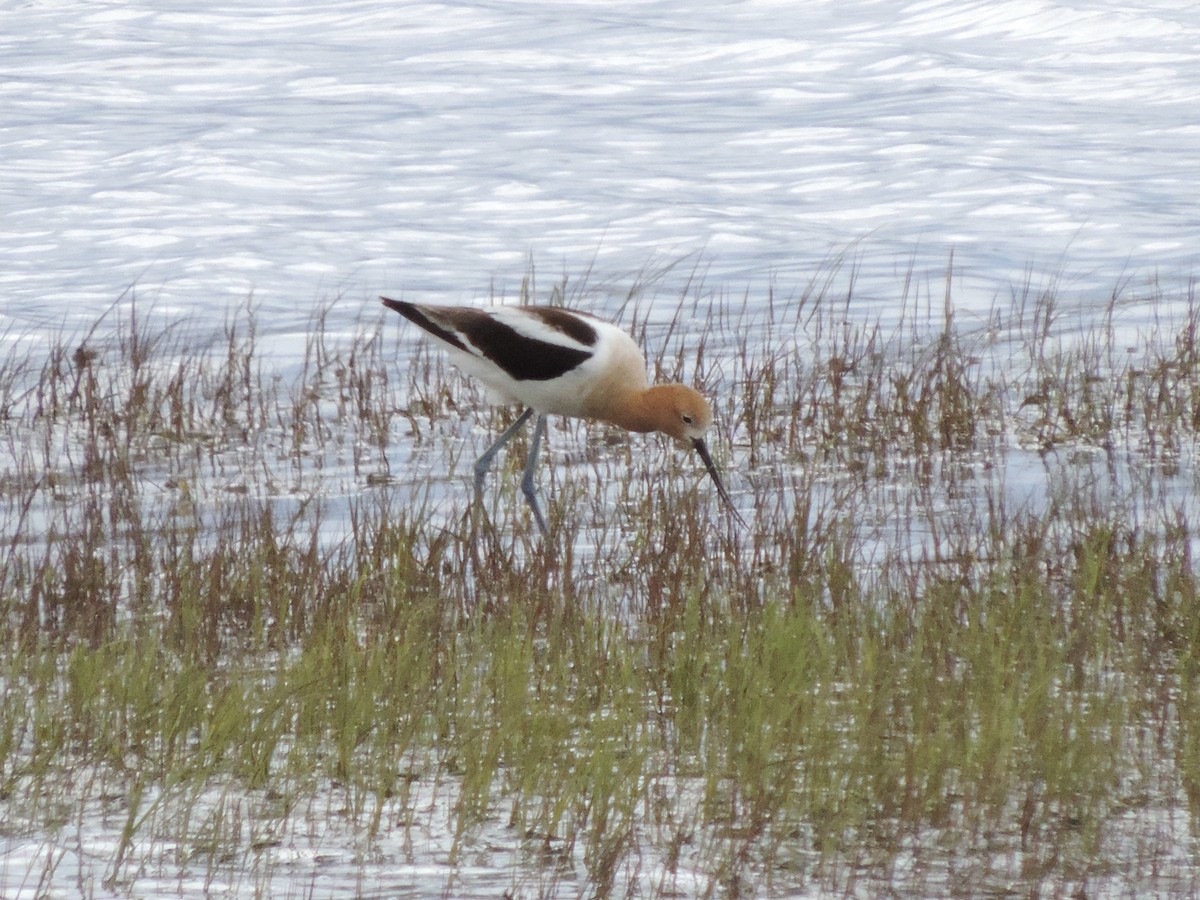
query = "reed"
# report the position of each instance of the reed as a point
(955, 651)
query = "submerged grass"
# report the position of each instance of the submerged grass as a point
(956, 652)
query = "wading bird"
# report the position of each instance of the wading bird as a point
(560, 362)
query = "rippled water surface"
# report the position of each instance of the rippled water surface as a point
(300, 151)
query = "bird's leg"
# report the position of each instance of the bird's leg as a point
(485, 462)
(527, 486)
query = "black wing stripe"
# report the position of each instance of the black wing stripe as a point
(568, 323)
(522, 358)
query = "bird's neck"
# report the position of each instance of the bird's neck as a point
(636, 411)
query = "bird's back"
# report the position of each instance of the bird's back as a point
(555, 360)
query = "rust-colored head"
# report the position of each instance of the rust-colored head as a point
(677, 410)
(681, 412)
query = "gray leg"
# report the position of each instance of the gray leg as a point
(485, 462)
(527, 486)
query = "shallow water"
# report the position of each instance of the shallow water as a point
(306, 152)
(935, 507)
(310, 151)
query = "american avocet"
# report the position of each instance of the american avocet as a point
(560, 362)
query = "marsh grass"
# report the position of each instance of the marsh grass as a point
(956, 651)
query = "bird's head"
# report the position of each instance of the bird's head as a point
(681, 412)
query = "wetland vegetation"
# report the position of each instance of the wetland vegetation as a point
(257, 636)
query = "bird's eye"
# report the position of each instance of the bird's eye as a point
(687, 420)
